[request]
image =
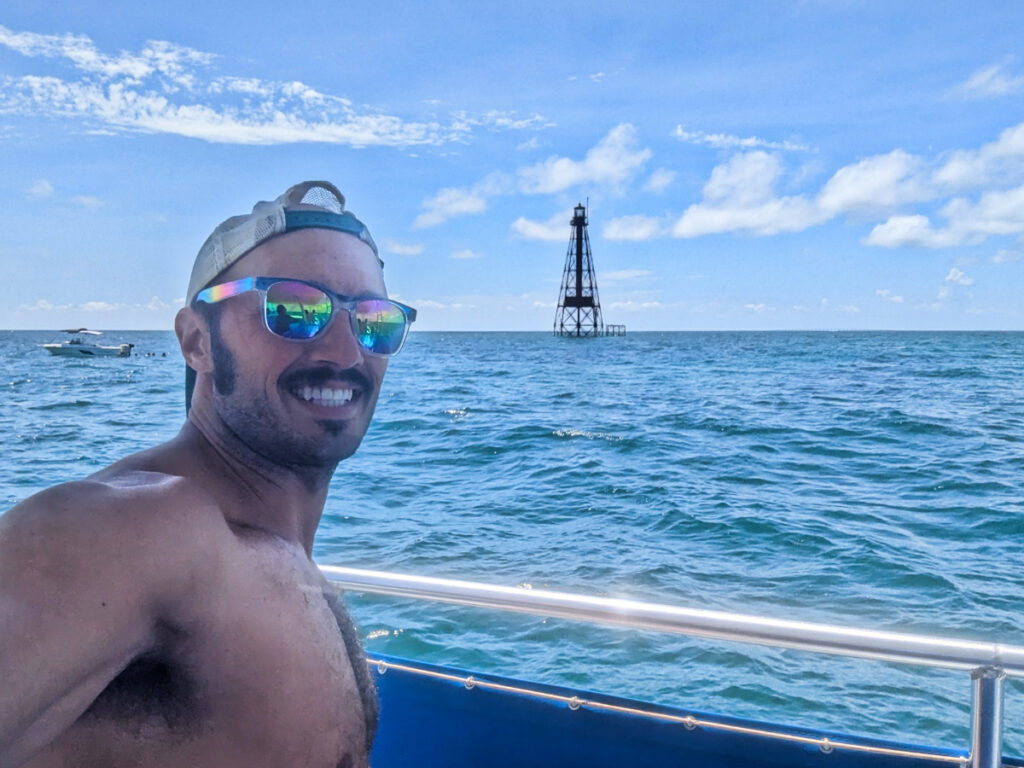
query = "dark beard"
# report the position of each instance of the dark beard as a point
(223, 361)
(249, 421)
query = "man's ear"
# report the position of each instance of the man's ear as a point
(194, 338)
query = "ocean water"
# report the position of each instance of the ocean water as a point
(861, 479)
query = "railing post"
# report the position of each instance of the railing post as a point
(987, 717)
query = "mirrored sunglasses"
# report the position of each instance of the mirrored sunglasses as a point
(300, 310)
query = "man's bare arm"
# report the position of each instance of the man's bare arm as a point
(81, 593)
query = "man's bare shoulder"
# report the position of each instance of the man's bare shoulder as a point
(127, 516)
(118, 496)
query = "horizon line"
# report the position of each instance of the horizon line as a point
(649, 330)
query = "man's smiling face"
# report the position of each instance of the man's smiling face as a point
(299, 403)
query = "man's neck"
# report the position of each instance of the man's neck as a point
(284, 501)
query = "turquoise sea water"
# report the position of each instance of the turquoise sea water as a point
(862, 479)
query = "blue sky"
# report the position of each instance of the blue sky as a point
(818, 164)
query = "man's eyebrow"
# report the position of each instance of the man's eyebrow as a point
(357, 296)
(369, 294)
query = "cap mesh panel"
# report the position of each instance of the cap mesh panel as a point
(264, 229)
(321, 198)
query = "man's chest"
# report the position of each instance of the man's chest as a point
(270, 665)
(256, 670)
(273, 661)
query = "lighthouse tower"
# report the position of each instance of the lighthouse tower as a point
(579, 308)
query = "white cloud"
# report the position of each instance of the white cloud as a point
(100, 306)
(990, 82)
(725, 141)
(155, 304)
(303, 92)
(1005, 256)
(87, 201)
(40, 190)
(635, 306)
(465, 254)
(659, 180)
(496, 183)
(613, 161)
(954, 278)
(504, 120)
(634, 228)
(168, 88)
(157, 56)
(274, 121)
(449, 203)
(958, 277)
(759, 308)
(597, 77)
(888, 295)
(123, 106)
(527, 146)
(401, 249)
(879, 182)
(623, 275)
(999, 212)
(740, 197)
(998, 162)
(42, 305)
(746, 179)
(432, 304)
(453, 202)
(916, 230)
(251, 86)
(554, 229)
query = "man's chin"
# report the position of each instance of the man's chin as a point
(335, 444)
(341, 439)
(334, 427)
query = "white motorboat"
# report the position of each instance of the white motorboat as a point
(77, 346)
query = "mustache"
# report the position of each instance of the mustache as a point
(317, 377)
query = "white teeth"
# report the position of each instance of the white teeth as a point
(325, 396)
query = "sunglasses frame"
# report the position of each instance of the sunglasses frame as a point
(215, 293)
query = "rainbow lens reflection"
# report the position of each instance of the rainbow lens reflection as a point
(380, 325)
(296, 310)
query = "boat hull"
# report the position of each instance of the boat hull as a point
(88, 350)
(434, 716)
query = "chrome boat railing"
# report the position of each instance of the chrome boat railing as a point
(988, 663)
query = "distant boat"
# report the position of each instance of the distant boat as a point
(77, 346)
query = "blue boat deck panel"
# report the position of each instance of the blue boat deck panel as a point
(435, 720)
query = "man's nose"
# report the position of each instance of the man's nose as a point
(337, 344)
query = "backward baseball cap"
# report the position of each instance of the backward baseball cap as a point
(316, 204)
(309, 204)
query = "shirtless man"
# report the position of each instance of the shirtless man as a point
(166, 610)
